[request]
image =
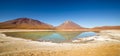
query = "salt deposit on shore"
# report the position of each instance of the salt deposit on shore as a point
(106, 35)
(10, 46)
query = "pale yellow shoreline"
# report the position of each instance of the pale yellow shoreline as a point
(10, 46)
(19, 30)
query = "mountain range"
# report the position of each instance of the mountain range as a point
(28, 23)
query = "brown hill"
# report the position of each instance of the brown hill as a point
(24, 23)
(106, 28)
(69, 25)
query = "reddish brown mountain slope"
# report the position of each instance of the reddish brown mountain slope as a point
(24, 23)
(69, 25)
(106, 28)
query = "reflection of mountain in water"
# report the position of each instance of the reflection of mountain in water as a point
(69, 35)
(85, 34)
(55, 37)
(61, 36)
(29, 35)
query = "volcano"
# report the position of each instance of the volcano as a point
(69, 25)
(24, 23)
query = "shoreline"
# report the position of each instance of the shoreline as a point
(21, 47)
(54, 30)
(15, 30)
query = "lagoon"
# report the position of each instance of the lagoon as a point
(51, 36)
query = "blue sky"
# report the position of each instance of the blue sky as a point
(86, 13)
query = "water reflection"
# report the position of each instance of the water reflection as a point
(61, 36)
(55, 37)
(85, 34)
(69, 35)
(29, 35)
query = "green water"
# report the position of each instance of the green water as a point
(62, 36)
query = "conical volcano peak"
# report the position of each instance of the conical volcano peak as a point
(69, 25)
(68, 21)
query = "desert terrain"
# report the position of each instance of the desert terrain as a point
(107, 43)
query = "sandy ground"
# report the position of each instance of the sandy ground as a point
(10, 46)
